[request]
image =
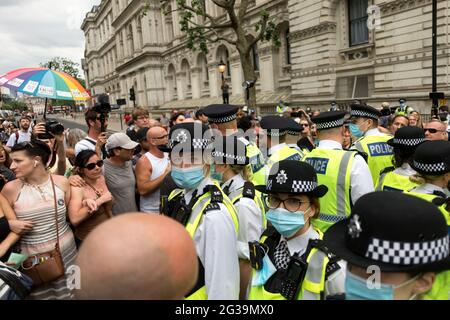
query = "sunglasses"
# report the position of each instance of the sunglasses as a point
(91, 166)
(304, 124)
(432, 130)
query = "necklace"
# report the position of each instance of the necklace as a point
(97, 193)
(39, 188)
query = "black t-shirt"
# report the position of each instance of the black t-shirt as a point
(4, 232)
(304, 143)
(133, 136)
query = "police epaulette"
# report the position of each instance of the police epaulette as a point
(332, 265)
(212, 207)
(249, 190)
(386, 170)
(216, 194)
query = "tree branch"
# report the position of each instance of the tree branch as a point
(233, 43)
(224, 3)
(243, 9)
(264, 21)
(218, 26)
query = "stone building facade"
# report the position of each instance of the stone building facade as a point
(327, 53)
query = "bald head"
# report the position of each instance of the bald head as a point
(137, 256)
(156, 136)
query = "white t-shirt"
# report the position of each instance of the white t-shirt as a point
(23, 137)
(85, 144)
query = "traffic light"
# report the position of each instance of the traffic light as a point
(132, 95)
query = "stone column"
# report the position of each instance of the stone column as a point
(196, 78)
(146, 31)
(236, 75)
(214, 80)
(267, 70)
(181, 85)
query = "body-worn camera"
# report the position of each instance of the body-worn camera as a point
(103, 107)
(52, 128)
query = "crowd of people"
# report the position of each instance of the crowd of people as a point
(225, 204)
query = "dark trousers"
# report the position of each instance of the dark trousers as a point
(226, 99)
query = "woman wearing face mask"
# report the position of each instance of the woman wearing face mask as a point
(230, 169)
(91, 205)
(291, 261)
(397, 178)
(391, 256)
(206, 212)
(32, 196)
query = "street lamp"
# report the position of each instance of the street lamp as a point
(222, 68)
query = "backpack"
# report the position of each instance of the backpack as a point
(13, 284)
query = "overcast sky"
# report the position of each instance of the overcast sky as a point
(33, 31)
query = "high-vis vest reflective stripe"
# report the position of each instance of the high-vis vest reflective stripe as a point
(379, 153)
(196, 219)
(441, 286)
(391, 181)
(333, 168)
(312, 286)
(257, 164)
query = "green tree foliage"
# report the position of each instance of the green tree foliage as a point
(214, 29)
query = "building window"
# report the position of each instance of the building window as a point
(359, 33)
(255, 57)
(288, 47)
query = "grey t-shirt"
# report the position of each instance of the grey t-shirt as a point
(122, 185)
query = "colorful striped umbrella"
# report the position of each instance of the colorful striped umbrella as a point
(45, 83)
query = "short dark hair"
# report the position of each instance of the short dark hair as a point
(90, 115)
(34, 148)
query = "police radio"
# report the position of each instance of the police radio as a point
(295, 274)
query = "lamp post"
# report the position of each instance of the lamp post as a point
(222, 68)
(434, 95)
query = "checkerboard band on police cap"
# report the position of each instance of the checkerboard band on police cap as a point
(329, 120)
(220, 113)
(364, 111)
(229, 150)
(394, 231)
(294, 177)
(188, 136)
(432, 158)
(407, 137)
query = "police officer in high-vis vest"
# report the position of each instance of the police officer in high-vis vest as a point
(230, 169)
(432, 162)
(290, 262)
(205, 210)
(276, 129)
(223, 118)
(398, 177)
(371, 141)
(345, 173)
(403, 109)
(394, 245)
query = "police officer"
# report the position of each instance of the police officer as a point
(402, 236)
(403, 109)
(230, 169)
(223, 118)
(345, 173)
(208, 214)
(432, 162)
(397, 177)
(290, 261)
(371, 141)
(276, 129)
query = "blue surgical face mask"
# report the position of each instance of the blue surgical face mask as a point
(355, 130)
(287, 223)
(187, 178)
(214, 174)
(357, 288)
(261, 276)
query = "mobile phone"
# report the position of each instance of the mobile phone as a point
(295, 274)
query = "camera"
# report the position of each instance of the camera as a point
(103, 107)
(248, 84)
(52, 128)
